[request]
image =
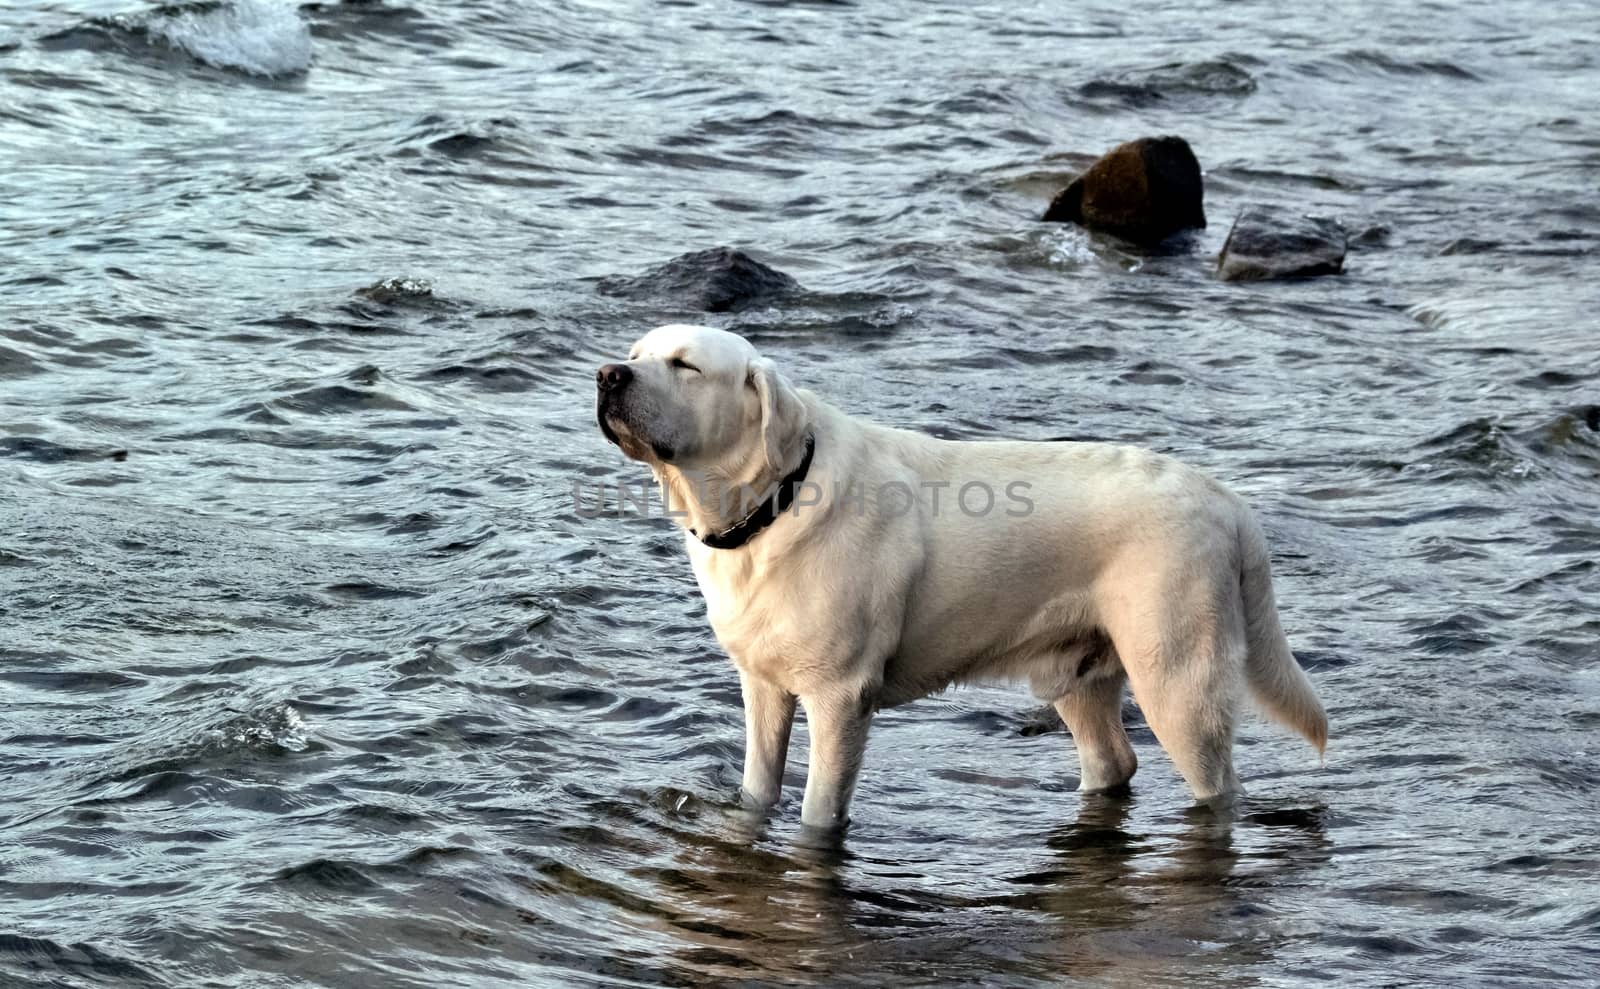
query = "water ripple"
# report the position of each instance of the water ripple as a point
(315, 674)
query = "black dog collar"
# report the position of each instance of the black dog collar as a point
(767, 512)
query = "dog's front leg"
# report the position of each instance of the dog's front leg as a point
(768, 716)
(838, 728)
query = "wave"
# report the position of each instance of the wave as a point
(257, 37)
(1492, 448)
(261, 37)
(179, 746)
(1223, 78)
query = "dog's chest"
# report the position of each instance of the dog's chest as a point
(772, 625)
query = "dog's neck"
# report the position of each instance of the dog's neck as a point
(715, 501)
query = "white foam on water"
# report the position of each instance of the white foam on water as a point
(262, 37)
(276, 725)
(1068, 245)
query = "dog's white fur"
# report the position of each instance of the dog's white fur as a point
(1129, 568)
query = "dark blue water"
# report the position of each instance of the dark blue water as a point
(310, 674)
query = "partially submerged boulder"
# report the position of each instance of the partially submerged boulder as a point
(1143, 191)
(1267, 242)
(715, 280)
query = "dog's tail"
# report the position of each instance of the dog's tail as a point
(1279, 684)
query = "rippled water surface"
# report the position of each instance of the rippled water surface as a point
(311, 675)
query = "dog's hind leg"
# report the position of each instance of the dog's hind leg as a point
(1093, 713)
(1188, 682)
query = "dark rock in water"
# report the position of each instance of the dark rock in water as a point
(1274, 243)
(1143, 191)
(716, 280)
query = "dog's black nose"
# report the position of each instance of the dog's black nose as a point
(613, 376)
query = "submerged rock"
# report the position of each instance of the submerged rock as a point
(1272, 243)
(1143, 191)
(402, 291)
(1376, 235)
(715, 280)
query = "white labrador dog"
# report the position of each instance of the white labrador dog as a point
(853, 567)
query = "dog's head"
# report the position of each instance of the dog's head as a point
(699, 399)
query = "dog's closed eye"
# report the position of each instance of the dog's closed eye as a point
(679, 362)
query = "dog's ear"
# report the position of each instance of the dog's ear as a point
(782, 411)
